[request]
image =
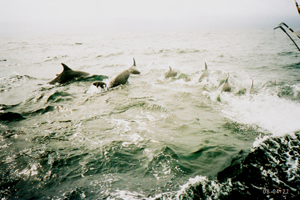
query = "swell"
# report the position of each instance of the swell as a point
(141, 104)
(32, 107)
(270, 171)
(272, 165)
(10, 116)
(245, 131)
(292, 66)
(59, 96)
(53, 161)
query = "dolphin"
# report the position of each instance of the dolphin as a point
(226, 87)
(67, 75)
(100, 84)
(204, 74)
(134, 69)
(120, 79)
(170, 73)
(251, 91)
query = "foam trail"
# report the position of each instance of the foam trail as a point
(276, 115)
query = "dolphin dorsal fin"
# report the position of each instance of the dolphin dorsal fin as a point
(170, 69)
(226, 81)
(66, 68)
(205, 65)
(251, 88)
(133, 62)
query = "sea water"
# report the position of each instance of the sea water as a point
(154, 137)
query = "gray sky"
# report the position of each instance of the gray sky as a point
(19, 17)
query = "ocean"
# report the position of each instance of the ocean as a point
(154, 137)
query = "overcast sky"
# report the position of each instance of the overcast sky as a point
(19, 17)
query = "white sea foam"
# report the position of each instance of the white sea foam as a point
(122, 126)
(93, 89)
(276, 115)
(126, 195)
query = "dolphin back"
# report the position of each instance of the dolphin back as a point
(120, 79)
(170, 73)
(204, 74)
(226, 87)
(67, 75)
(133, 68)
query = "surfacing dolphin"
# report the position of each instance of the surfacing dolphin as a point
(226, 87)
(133, 68)
(204, 74)
(252, 91)
(67, 75)
(100, 84)
(170, 73)
(120, 79)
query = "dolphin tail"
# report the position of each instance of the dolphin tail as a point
(205, 65)
(66, 68)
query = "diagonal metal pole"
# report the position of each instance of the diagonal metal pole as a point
(297, 6)
(282, 23)
(287, 35)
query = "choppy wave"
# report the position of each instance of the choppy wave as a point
(13, 80)
(270, 171)
(10, 116)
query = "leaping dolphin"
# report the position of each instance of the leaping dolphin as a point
(170, 73)
(67, 75)
(204, 74)
(226, 87)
